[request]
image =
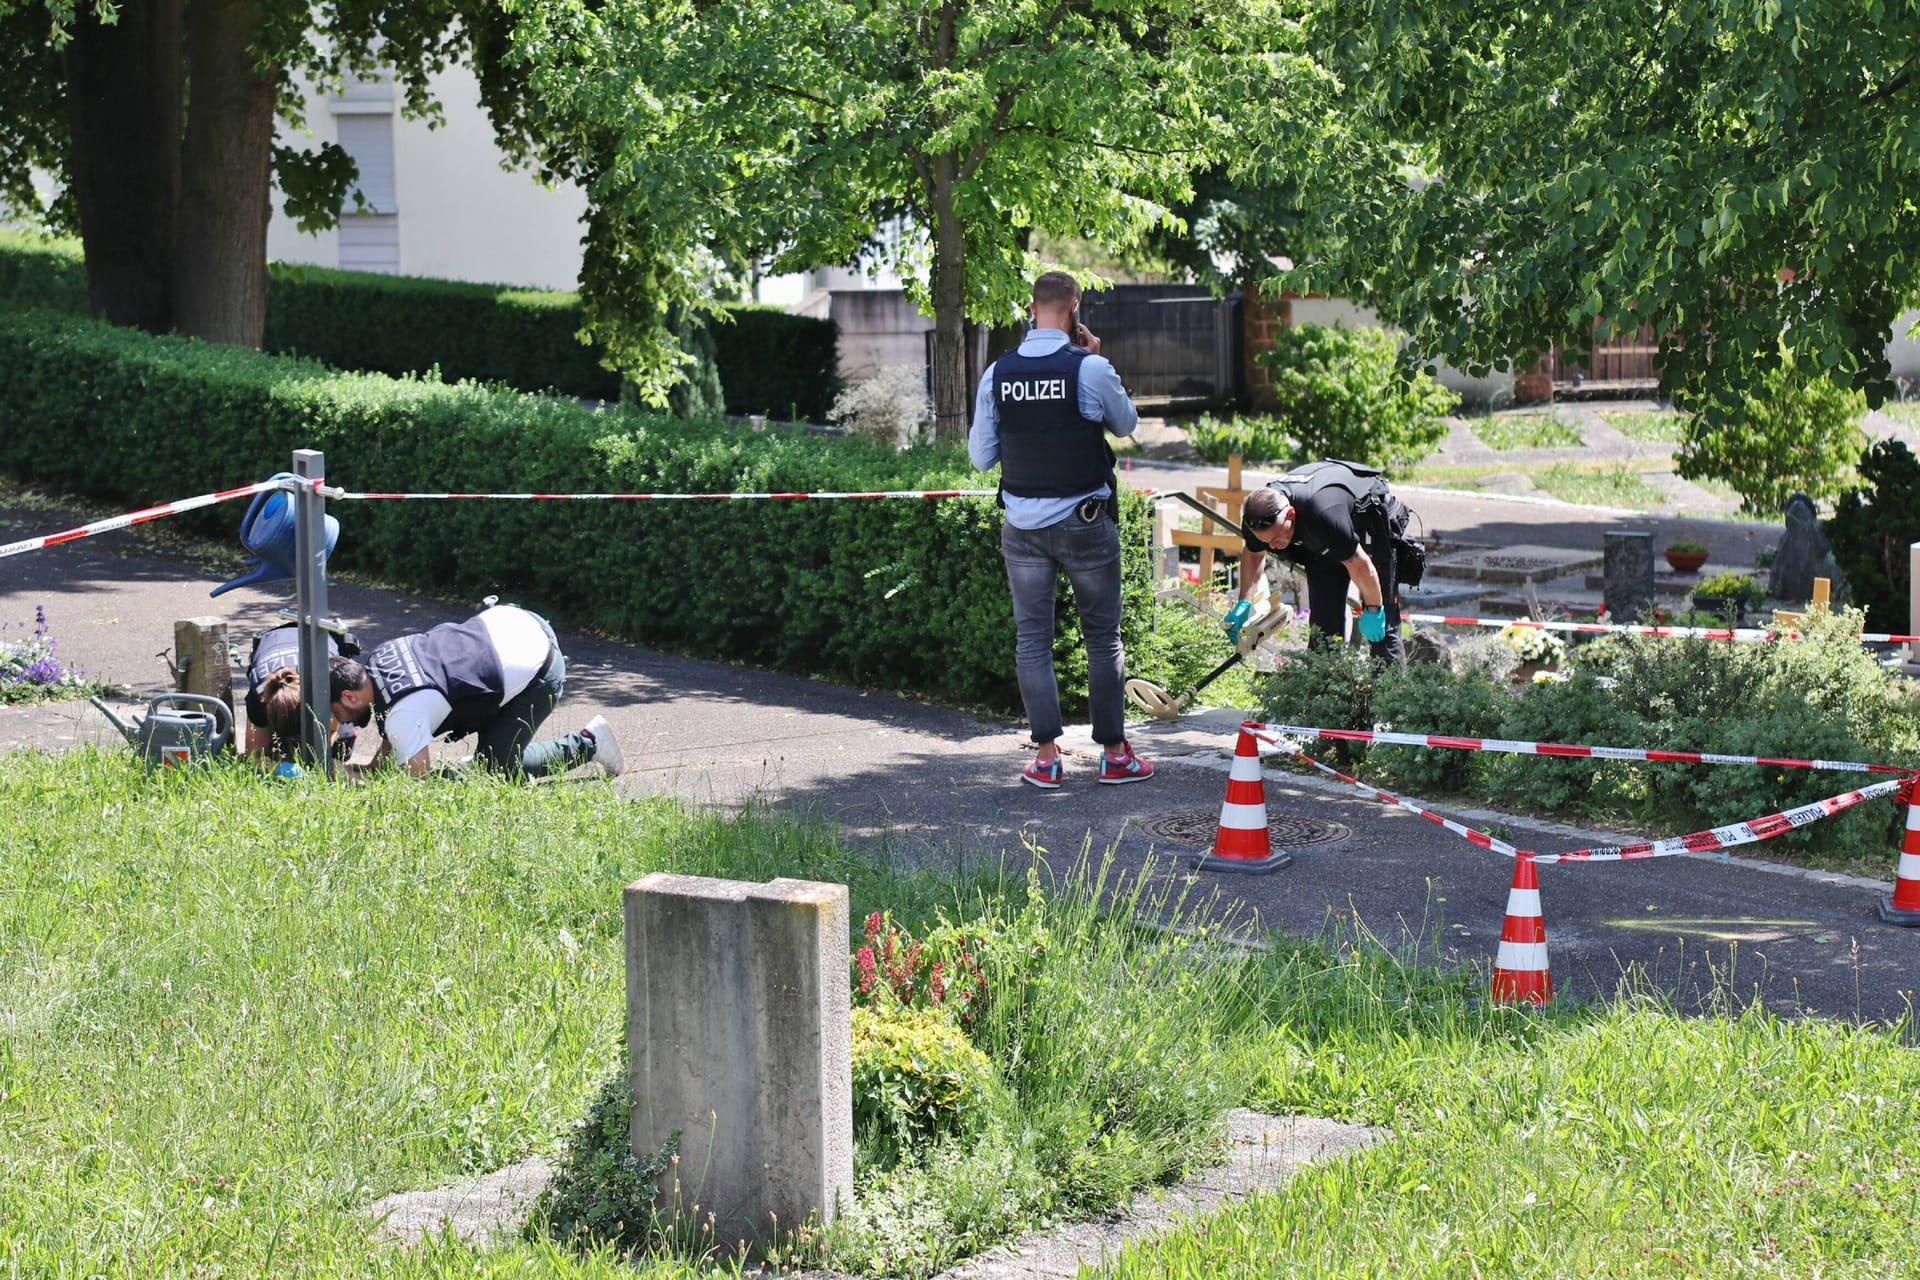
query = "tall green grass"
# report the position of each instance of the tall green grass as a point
(1612, 1140)
(233, 1013)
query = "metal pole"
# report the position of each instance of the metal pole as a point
(310, 586)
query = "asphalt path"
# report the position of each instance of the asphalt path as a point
(936, 787)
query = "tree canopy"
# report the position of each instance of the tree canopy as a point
(155, 120)
(1740, 174)
(793, 130)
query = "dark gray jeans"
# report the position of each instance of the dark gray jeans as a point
(1089, 554)
(506, 743)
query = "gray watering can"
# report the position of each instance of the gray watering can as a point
(169, 736)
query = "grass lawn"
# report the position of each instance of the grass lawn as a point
(234, 1013)
(1648, 427)
(1527, 431)
(1615, 485)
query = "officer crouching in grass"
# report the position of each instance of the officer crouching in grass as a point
(1341, 524)
(497, 675)
(1042, 413)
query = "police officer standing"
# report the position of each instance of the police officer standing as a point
(497, 675)
(1042, 413)
(1339, 522)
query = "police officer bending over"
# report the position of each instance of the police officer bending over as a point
(1042, 413)
(273, 694)
(497, 675)
(1340, 523)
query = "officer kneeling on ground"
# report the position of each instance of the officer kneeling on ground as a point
(1340, 523)
(273, 694)
(497, 675)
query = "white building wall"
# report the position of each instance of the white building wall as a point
(455, 214)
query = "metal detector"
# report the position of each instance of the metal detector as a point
(1158, 703)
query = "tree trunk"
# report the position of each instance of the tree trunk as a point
(220, 273)
(951, 394)
(123, 110)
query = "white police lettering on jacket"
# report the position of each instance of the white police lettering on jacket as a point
(1034, 389)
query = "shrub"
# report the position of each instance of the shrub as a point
(1872, 528)
(600, 1192)
(1328, 687)
(1343, 395)
(1800, 434)
(1256, 438)
(916, 1077)
(908, 595)
(1422, 698)
(1577, 710)
(891, 408)
(946, 971)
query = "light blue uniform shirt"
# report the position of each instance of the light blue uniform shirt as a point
(1102, 399)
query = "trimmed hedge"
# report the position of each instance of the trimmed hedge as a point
(907, 595)
(769, 362)
(375, 323)
(777, 364)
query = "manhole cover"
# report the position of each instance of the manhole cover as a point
(1200, 826)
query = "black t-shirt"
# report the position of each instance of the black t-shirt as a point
(1322, 526)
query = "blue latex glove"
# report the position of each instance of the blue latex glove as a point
(1237, 618)
(1373, 623)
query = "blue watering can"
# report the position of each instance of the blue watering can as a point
(267, 531)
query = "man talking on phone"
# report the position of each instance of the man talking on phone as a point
(1043, 413)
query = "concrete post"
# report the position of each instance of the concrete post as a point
(201, 662)
(1628, 567)
(310, 589)
(739, 1037)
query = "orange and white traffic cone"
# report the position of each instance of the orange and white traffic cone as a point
(1902, 907)
(1243, 842)
(1520, 971)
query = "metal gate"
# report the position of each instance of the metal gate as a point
(1622, 364)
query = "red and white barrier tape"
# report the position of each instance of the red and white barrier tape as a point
(1749, 832)
(1572, 751)
(1747, 634)
(664, 497)
(138, 517)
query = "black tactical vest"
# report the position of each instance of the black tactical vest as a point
(1366, 487)
(456, 659)
(277, 650)
(1047, 449)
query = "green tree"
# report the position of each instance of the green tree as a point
(156, 119)
(794, 130)
(1737, 175)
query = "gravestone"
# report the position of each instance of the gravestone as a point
(739, 1036)
(1803, 554)
(1629, 576)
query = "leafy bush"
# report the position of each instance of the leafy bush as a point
(1328, 687)
(892, 407)
(916, 1077)
(1422, 698)
(1343, 395)
(1578, 710)
(1256, 438)
(1872, 528)
(1799, 435)
(600, 1192)
(924, 580)
(945, 972)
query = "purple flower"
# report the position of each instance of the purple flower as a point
(45, 671)
(39, 619)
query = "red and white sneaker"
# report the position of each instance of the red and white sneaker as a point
(1044, 774)
(1125, 767)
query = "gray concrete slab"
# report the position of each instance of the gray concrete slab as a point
(939, 787)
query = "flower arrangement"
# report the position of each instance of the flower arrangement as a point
(30, 669)
(1730, 586)
(1687, 546)
(1533, 644)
